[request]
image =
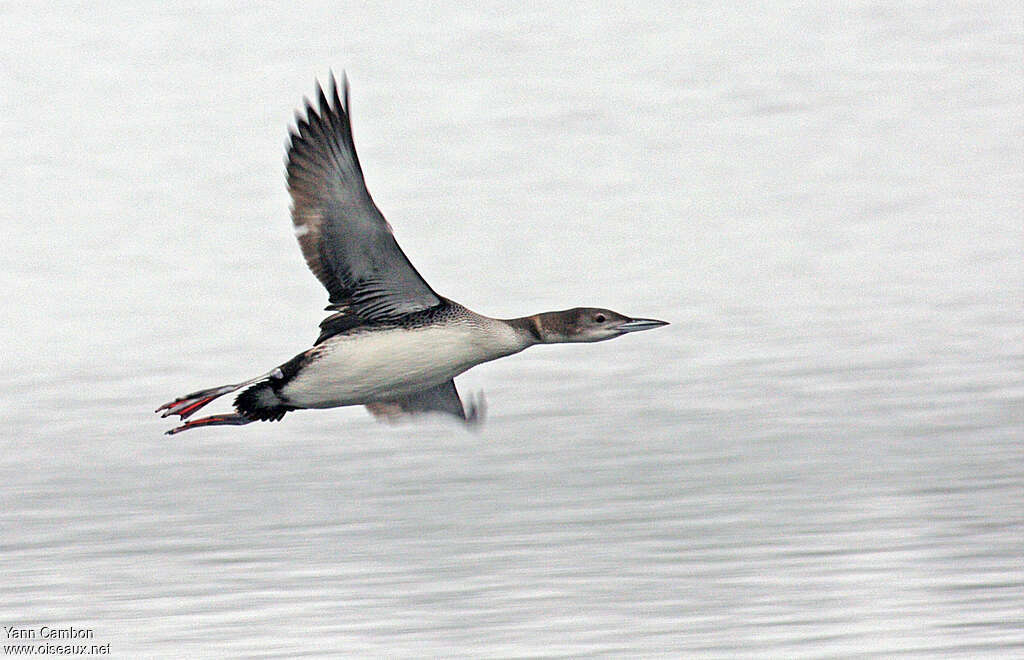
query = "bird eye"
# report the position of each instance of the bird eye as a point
(599, 318)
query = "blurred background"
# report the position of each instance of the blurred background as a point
(822, 455)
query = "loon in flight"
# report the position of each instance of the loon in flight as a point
(392, 343)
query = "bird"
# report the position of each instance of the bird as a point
(391, 343)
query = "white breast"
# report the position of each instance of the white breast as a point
(382, 364)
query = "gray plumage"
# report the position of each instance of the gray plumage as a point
(343, 235)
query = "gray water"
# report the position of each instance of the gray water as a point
(821, 456)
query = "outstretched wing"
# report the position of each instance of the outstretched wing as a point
(345, 239)
(440, 398)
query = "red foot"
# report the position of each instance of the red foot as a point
(233, 419)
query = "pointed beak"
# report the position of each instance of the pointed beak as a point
(636, 325)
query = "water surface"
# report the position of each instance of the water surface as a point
(821, 456)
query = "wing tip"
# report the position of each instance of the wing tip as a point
(318, 122)
(340, 100)
(330, 108)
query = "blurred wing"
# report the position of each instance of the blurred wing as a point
(440, 398)
(345, 239)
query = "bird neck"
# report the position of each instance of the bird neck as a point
(531, 329)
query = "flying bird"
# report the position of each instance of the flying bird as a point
(391, 343)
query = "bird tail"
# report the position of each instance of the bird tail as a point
(261, 402)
